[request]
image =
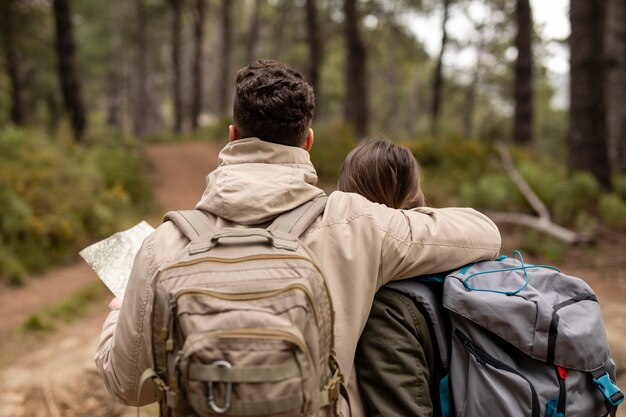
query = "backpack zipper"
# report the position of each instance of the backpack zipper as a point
(273, 334)
(249, 296)
(483, 357)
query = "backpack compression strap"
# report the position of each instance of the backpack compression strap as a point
(298, 220)
(193, 223)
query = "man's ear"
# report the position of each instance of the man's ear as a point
(308, 142)
(233, 134)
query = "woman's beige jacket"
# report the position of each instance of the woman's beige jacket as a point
(359, 246)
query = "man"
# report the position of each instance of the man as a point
(265, 171)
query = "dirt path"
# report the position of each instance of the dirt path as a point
(54, 375)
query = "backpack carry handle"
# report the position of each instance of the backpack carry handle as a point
(277, 239)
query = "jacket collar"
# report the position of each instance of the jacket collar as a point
(256, 181)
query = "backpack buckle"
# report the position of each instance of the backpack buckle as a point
(608, 388)
(229, 391)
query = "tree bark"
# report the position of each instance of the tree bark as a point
(140, 96)
(68, 72)
(253, 33)
(283, 11)
(226, 54)
(470, 102)
(355, 106)
(586, 138)
(523, 122)
(197, 66)
(438, 76)
(177, 93)
(116, 74)
(7, 26)
(615, 87)
(315, 46)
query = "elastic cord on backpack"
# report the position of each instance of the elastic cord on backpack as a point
(523, 267)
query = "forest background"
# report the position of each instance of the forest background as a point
(96, 97)
(85, 84)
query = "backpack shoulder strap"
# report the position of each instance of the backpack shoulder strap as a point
(193, 223)
(298, 220)
(423, 295)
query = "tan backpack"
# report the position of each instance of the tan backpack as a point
(243, 322)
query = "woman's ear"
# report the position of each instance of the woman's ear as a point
(308, 142)
(233, 134)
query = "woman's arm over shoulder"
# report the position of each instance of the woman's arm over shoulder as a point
(124, 351)
(427, 240)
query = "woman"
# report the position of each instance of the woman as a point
(387, 173)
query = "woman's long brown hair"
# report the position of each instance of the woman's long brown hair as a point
(383, 172)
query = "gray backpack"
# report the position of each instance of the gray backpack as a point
(243, 322)
(521, 341)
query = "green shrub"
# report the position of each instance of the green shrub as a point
(333, 142)
(573, 195)
(73, 307)
(56, 198)
(452, 169)
(612, 210)
(36, 323)
(619, 185)
(545, 181)
(493, 192)
(543, 246)
(68, 310)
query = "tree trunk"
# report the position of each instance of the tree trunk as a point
(253, 34)
(615, 87)
(225, 86)
(197, 66)
(282, 20)
(68, 73)
(140, 95)
(620, 146)
(116, 74)
(7, 26)
(438, 76)
(177, 93)
(523, 123)
(315, 46)
(470, 102)
(355, 106)
(586, 138)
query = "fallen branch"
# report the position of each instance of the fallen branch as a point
(520, 182)
(543, 221)
(559, 232)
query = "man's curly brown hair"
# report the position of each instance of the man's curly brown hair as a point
(273, 103)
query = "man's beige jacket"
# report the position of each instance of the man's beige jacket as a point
(359, 246)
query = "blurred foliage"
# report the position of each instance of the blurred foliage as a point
(57, 198)
(460, 172)
(333, 142)
(67, 310)
(399, 68)
(540, 245)
(469, 173)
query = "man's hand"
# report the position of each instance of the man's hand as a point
(115, 304)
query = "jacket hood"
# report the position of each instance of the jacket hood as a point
(256, 181)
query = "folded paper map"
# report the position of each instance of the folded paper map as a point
(113, 257)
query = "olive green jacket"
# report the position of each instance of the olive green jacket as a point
(396, 361)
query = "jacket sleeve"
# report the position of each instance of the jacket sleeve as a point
(124, 351)
(427, 240)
